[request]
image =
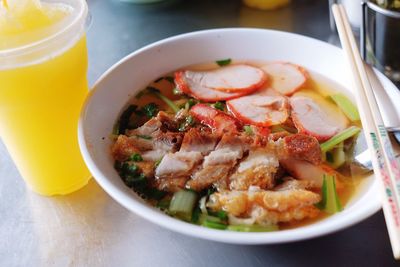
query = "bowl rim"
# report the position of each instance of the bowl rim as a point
(159, 218)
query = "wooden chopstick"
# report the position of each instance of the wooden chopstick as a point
(385, 165)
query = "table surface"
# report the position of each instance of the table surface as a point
(88, 228)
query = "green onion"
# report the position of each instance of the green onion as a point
(348, 108)
(143, 136)
(136, 157)
(338, 156)
(214, 225)
(340, 137)
(248, 130)
(182, 204)
(219, 105)
(224, 62)
(330, 202)
(253, 228)
(167, 101)
(222, 215)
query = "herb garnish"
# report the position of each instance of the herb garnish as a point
(223, 62)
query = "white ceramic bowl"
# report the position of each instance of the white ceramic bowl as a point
(112, 91)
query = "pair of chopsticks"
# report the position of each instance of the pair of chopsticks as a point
(385, 165)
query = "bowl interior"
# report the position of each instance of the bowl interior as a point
(111, 93)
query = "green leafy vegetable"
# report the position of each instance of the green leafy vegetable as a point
(219, 105)
(146, 137)
(338, 138)
(223, 62)
(182, 204)
(136, 157)
(248, 130)
(222, 215)
(330, 202)
(186, 124)
(196, 215)
(123, 121)
(253, 228)
(348, 108)
(150, 110)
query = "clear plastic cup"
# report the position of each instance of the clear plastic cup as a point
(43, 84)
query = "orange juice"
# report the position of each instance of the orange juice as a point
(41, 94)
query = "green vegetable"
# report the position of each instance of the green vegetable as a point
(214, 225)
(176, 91)
(196, 215)
(150, 110)
(167, 101)
(348, 108)
(219, 105)
(253, 228)
(146, 137)
(136, 157)
(336, 157)
(338, 138)
(163, 204)
(157, 162)
(184, 125)
(190, 103)
(223, 62)
(123, 121)
(182, 204)
(330, 202)
(222, 215)
(248, 130)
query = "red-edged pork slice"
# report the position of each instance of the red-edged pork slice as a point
(307, 171)
(222, 83)
(309, 118)
(260, 110)
(286, 78)
(217, 120)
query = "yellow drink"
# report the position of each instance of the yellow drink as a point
(40, 101)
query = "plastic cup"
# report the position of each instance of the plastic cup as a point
(42, 87)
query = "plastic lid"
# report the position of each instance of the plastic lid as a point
(62, 36)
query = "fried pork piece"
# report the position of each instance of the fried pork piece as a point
(199, 140)
(123, 148)
(257, 169)
(219, 163)
(151, 140)
(195, 145)
(303, 147)
(290, 183)
(267, 207)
